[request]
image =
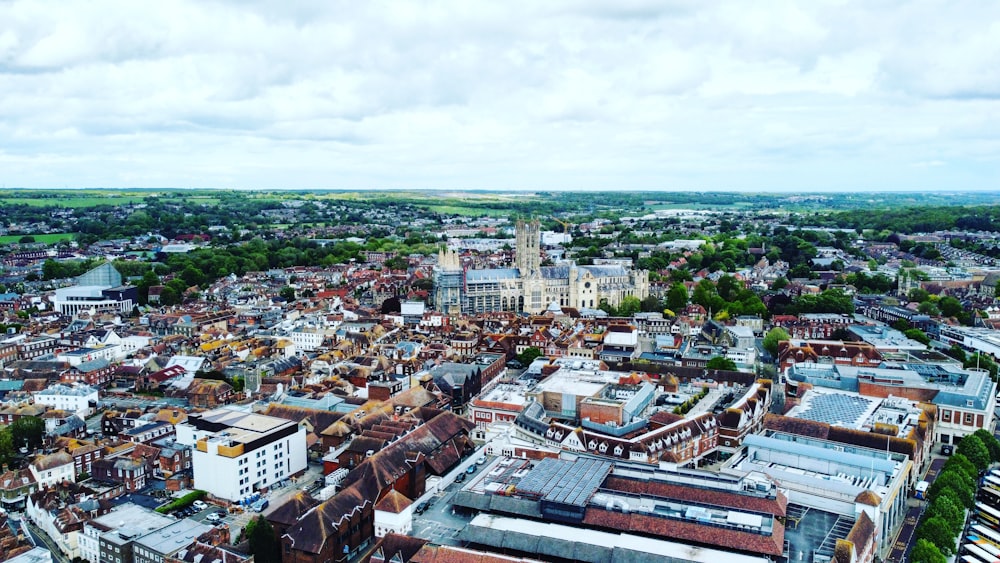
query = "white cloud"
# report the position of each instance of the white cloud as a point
(473, 94)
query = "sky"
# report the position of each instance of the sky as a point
(509, 95)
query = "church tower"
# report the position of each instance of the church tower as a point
(529, 247)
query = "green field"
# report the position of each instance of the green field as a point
(466, 211)
(46, 238)
(63, 200)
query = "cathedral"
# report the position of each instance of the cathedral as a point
(529, 287)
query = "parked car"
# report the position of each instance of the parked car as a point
(421, 508)
(200, 504)
(471, 469)
(460, 478)
(214, 517)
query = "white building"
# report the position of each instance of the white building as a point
(393, 514)
(54, 468)
(78, 399)
(128, 519)
(237, 453)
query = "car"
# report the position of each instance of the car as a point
(214, 517)
(471, 469)
(460, 478)
(260, 505)
(200, 504)
(421, 508)
(481, 461)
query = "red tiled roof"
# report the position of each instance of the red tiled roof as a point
(775, 506)
(689, 531)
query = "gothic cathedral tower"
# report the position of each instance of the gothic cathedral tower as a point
(529, 263)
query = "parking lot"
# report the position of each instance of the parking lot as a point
(440, 521)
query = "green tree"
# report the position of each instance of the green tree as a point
(773, 337)
(721, 362)
(629, 306)
(651, 304)
(918, 335)
(28, 430)
(974, 449)
(677, 297)
(991, 443)
(950, 306)
(949, 510)
(528, 355)
(779, 284)
(926, 552)
(959, 484)
(938, 532)
(287, 293)
(7, 447)
(928, 308)
(263, 544)
(959, 462)
(26, 239)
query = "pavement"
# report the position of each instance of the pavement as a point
(905, 538)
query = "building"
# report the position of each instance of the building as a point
(156, 547)
(530, 287)
(118, 529)
(728, 517)
(52, 469)
(850, 481)
(99, 289)
(965, 399)
(236, 454)
(78, 399)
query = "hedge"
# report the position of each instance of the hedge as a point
(183, 502)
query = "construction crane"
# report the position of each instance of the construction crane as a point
(564, 224)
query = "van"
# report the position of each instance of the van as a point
(920, 491)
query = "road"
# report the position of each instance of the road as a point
(905, 540)
(43, 540)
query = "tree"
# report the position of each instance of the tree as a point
(950, 306)
(928, 308)
(28, 431)
(958, 482)
(287, 293)
(918, 335)
(773, 337)
(926, 552)
(959, 462)
(949, 510)
(991, 443)
(974, 449)
(629, 306)
(651, 304)
(26, 239)
(528, 355)
(677, 297)
(779, 284)
(938, 532)
(721, 362)
(263, 544)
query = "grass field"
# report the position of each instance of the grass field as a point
(467, 211)
(46, 238)
(69, 201)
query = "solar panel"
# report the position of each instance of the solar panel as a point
(565, 482)
(835, 408)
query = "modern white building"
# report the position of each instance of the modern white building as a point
(236, 453)
(78, 399)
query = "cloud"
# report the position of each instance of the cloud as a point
(535, 95)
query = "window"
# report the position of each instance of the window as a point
(968, 418)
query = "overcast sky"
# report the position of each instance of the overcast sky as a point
(622, 94)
